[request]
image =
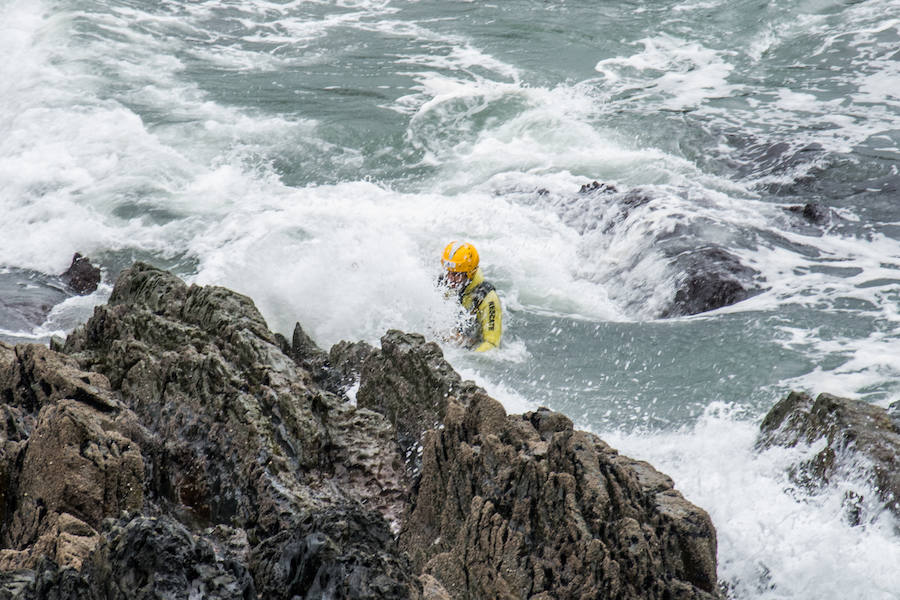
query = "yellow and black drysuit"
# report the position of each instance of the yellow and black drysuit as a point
(481, 300)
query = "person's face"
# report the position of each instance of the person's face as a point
(456, 279)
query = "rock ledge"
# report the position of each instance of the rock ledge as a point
(174, 447)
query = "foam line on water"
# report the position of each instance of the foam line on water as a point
(481, 129)
(732, 82)
(863, 363)
(683, 74)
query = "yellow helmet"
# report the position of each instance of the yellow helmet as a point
(460, 257)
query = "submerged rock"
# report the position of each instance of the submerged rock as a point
(711, 278)
(813, 213)
(27, 297)
(763, 159)
(597, 187)
(693, 270)
(177, 448)
(858, 440)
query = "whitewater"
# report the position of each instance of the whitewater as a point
(318, 155)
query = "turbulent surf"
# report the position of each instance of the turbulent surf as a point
(688, 208)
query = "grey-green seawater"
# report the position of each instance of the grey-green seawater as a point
(318, 155)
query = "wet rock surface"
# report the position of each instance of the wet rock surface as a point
(523, 506)
(175, 447)
(695, 270)
(61, 420)
(856, 437)
(711, 278)
(81, 276)
(199, 416)
(409, 382)
(27, 297)
(812, 212)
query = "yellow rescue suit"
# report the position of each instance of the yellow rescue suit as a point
(481, 300)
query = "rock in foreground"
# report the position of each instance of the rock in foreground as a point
(524, 506)
(174, 447)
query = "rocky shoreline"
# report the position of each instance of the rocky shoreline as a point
(174, 447)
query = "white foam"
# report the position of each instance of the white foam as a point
(72, 312)
(353, 260)
(774, 541)
(882, 87)
(513, 402)
(684, 73)
(864, 363)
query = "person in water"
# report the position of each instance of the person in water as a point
(477, 296)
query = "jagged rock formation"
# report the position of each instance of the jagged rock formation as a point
(60, 419)
(523, 506)
(409, 382)
(212, 426)
(858, 438)
(174, 447)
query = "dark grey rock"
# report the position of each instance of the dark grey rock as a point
(81, 276)
(859, 439)
(232, 432)
(346, 360)
(702, 274)
(308, 355)
(711, 278)
(597, 187)
(342, 552)
(46, 581)
(144, 558)
(813, 212)
(409, 382)
(177, 448)
(245, 427)
(523, 506)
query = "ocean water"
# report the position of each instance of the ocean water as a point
(318, 155)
